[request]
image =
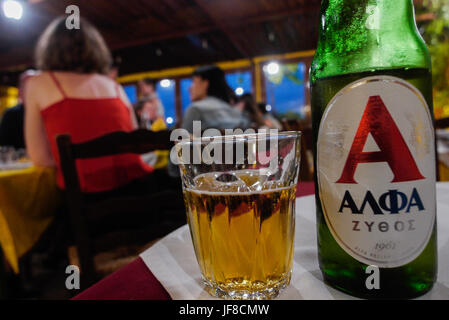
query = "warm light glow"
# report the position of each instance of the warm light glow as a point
(268, 108)
(165, 83)
(12, 9)
(169, 120)
(239, 91)
(273, 68)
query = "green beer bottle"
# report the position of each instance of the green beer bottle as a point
(371, 89)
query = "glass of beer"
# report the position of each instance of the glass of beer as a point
(239, 193)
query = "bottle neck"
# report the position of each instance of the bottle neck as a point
(366, 34)
(366, 15)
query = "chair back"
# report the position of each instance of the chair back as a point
(84, 215)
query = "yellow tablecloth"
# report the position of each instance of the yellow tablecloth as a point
(29, 199)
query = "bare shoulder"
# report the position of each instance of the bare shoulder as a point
(106, 84)
(40, 84)
(104, 79)
(41, 91)
(120, 89)
(37, 80)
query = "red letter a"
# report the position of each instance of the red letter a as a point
(377, 120)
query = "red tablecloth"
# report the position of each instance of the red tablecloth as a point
(136, 282)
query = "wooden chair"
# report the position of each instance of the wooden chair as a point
(84, 214)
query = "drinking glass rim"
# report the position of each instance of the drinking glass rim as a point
(243, 136)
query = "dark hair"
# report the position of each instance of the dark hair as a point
(150, 81)
(138, 106)
(218, 87)
(262, 107)
(248, 102)
(250, 108)
(80, 50)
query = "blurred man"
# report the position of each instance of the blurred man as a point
(147, 90)
(12, 122)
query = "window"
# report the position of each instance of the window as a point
(185, 95)
(131, 92)
(166, 89)
(285, 89)
(240, 82)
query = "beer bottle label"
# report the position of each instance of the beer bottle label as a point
(376, 171)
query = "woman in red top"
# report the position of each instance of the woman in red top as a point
(73, 95)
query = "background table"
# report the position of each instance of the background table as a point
(29, 199)
(136, 281)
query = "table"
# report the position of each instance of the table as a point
(29, 199)
(136, 282)
(139, 280)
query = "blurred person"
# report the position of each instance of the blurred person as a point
(74, 95)
(147, 90)
(148, 118)
(211, 97)
(12, 122)
(247, 105)
(147, 115)
(139, 113)
(270, 120)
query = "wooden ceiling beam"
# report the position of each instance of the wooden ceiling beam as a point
(272, 16)
(202, 4)
(229, 24)
(161, 37)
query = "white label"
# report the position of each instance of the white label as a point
(376, 171)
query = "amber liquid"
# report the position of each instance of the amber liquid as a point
(243, 240)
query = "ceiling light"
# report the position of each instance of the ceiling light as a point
(273, 68)
(165, 83)
(239, 91)
(12, 9)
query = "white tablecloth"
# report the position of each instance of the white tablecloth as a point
(172, 259)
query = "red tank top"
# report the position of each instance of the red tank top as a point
(86, 119)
